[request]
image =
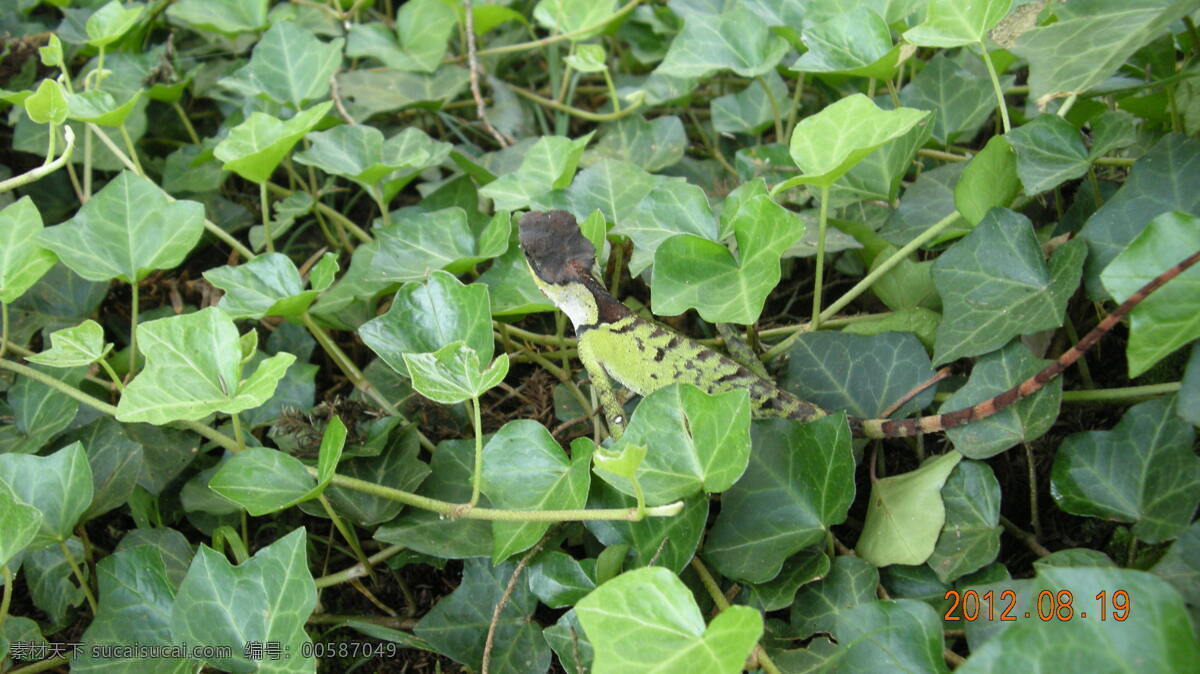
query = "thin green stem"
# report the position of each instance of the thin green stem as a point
(6, 598)
(718, 597)
(266, 216)
(133, 325)
(822, 224)
(991, 68)
(3, 327)
(1067, 105)
(891, 87)
(329, 212)
(347, 534)
(477, 476)
(112, 374)
(43, 665)
(359, 570)
(1123, 394)
(612, 92)
(574, 112)
(133, 155)
(1114, 161)
(83, 583)
(794, 111)
(45, 169)
(187, 123)
(87, 161)
(237, 432)
(775, 110)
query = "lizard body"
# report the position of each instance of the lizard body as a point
(644, 357)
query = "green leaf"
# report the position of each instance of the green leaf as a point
(559, 580)
(397, 468)
(899, 635)
(568, 16)
(322, 274)
(1159, 638)
(669, 542)
(266, 598)
(263, 481)
(850, 582)
(588, 58)
(107, 24)
(921, 322)
(136, 596)
(457, 626)
(20, 522)
(693, 272)
(193, 368)
(100, 107)
(750, 110)
(855, 42)
(950, 23)
(256, 146)
(525, 469)
(829, 143)
(48, 104)
(1180, 566)
(369, 92)
(1167, 178)
(268, 285)
(415, 245)
(1049, 153)
(221, 16)
(39, 412)
(906, 514)
(116, 460)
(361, 154)
(425, 317)
(612, 186)
(988, 181)
(73, 347)
(877, 176)
(22, 260)
(1103, 34)
(125, 231)
(673, 206)
(646, 620)
(652, 145)
(52, 53)
(58, 485)
(697, 442)
(1143, 471)
(806, 567)
(52, 585)
(423, 28)
(451, 374)
(1188, 403)
(1024, 421)
(803, 474)
(970, 538)
(961, 100)
(1170, 317)
(995, 284)
(289, 66)
(511, 286)
(927, 200)
(862, 375)
(737, 40)
(548, 165)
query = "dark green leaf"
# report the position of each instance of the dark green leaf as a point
(970, 537)
(850, 582)
(899, 635)
(1049, 153)
(59, 486)
(736, 40)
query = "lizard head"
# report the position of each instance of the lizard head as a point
(561, 260)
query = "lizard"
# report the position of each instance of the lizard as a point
(615, 343)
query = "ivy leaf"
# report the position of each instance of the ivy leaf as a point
(228, 17)
(415, 245)
(263, 480)
(451, 374)
(961, 101)
(266, 598)
(829, 143)
(611, 186)
(19, 520)
(568, 16)
(898, 635)
(673, 206)
(647, 620)
(422, 29)
(425, 317)
(548, 165)
(906, 514)
(995, 285)
(193, 368)
(256, 146)
(22, 260)
(803, 475)
(949, 23)
(850, 582)
(1105, 33)
(1049, 153)
(268, 285)
(737, 40)
(48, 104)
(74, 347)
(559, 580)
(289, 66)
(855, 42)
(698, 442)
(652, 145)
(525, 469)
(1166, 178)
(59, 486)
(107, 24)
(100, 107)
(669, 542)
(808, 566)
(369, 92)
(125, 231)
(588, 58)
(988, 181)
(970, 538)
(39, 412)
(1170, 317)
(1024, 421)
(750, 110)
(1143, 471)
(361, 154)
(691, 272)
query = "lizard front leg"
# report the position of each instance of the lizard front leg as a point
(614, 413)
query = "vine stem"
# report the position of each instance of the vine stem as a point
(3, 338)
(237, 432)
(46, 168)
(6, 598)
(266, 216)
(133, 326)
(822, 224)
(358, 570)
(718, 597)
(991, 68)
(576, 112)
(477, 478)
(347, 534)
(83, 584)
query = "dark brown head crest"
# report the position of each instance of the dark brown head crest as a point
(554, 246)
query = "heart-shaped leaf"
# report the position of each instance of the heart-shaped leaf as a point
(48, 104)
(737, 40)
(107, 24)
(74, 347)
(59, 486)
(268, 285)
(950, 23)
(361, 154)
(229, 17)
(451, 374)
(855, 42)
(906, 514)
(423, 28)
(415, 245)
(256, 146)
(19, 520)
(568, 16)
(193, 368)
(289, 65)
(548, 165)
(970, 537)
(22, 259)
